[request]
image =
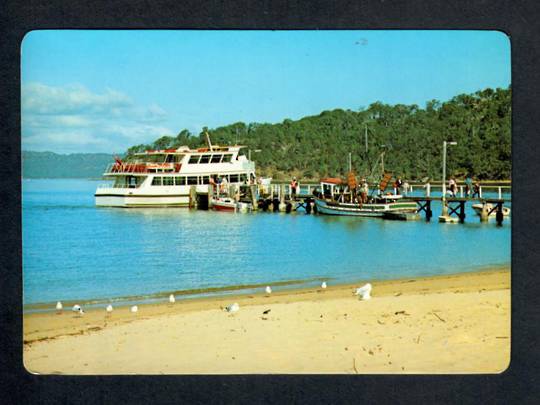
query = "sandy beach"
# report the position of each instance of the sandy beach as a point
(446, 324)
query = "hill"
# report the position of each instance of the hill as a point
(411, 138)
(52, 165)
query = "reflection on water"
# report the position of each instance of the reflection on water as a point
(73, 250)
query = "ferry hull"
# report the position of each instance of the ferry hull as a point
(129, 201)
(366, 210)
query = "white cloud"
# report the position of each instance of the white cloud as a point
(74, 119)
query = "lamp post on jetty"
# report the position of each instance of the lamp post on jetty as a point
(249, 153)
(444, 207)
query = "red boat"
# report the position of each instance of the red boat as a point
(224, 204)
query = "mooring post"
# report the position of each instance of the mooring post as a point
(461, 191)
(282, 205)
(500, 193)
(210, 195)
(428, 190)
(462, 211)
(499, 216)
(429, 213)
(484, 214)
(193, 196)
(253, 192)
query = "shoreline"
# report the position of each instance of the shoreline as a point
(290, 286)
(415, 321)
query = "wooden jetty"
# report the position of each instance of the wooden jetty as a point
(279, 198)
(456, 206)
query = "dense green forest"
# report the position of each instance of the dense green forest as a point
(410, 137)
(52, 165)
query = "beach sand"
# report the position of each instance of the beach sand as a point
(446, 324)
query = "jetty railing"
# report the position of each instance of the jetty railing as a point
(427, 189)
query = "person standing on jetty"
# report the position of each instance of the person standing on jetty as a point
(452, 186)
(468, 185)
(397, 185)
(294, 186)
(364, 191)
(476, 189)
(224, 185)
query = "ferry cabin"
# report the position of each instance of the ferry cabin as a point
(163, 178)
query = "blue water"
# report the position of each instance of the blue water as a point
(73, 250)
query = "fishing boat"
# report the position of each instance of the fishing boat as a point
(337, 198)
(490, 208)
(164, 178)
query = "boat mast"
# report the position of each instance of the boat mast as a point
(208, 141)
(365, 136)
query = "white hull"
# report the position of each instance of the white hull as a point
(142, 201)
(478, 209)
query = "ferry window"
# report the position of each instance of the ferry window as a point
(192, 180)
(194, 159)
(170, 159)
(243, 177)
(180, 181)
(216, 158)
(205, 159)
(168, 181)
(155, 158)
(178, 158)
(205, 179)
(156, 181)
(234, 178)
(226, 158)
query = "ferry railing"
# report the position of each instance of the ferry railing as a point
(121, 168)
(122, 186)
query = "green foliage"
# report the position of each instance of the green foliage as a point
(318, 145)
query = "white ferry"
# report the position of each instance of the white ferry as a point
(163, 178)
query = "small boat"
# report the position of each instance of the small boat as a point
(478, 209)
(448, 219)
(230, 205)
(224, 204)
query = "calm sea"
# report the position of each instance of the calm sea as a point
(74, 251)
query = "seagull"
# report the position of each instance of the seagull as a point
(268, 289)
(134, 309)
(233, 307)
(323, 285)
(109, 308)
(364, 292)
(59, 306)
(171, 299)
(77, 308)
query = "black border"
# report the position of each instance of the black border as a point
(519, 20)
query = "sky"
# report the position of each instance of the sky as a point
(103, 91)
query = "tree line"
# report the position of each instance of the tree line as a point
(407, 139)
